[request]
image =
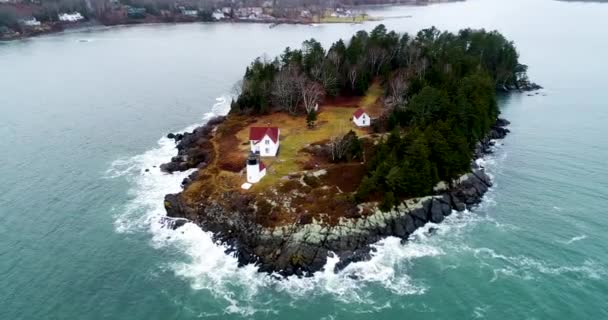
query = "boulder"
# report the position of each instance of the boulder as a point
(436, 211)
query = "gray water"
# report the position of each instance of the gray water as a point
(80, 121)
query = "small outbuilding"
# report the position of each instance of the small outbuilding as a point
(361, 118)
(264, 140)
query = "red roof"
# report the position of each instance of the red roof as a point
(257, 133)
(262, 166)
(359, 113)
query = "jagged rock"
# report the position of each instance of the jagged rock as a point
(170, 167)
(436, 211)
(173, 206)
(410, 226)
(349, 257)
(191, 153)
(500, 122)
(303, 249)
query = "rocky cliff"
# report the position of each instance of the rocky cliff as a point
(302, 249)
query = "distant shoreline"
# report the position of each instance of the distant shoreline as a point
(58, 27)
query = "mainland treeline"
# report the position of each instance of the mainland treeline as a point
(440, 97)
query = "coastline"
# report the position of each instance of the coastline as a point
(302, 249)
(57, 29)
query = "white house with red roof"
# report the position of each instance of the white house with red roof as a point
(256, 169)
(264, 140)
(361, 118)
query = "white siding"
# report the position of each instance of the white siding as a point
(266, 147)
(362, 121)
(254, 174)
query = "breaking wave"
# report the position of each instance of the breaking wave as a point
(574, 239)
(206, 266)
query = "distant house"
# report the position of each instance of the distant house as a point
(249, 12)
(190, 12)
(29, 22)
(136, 13)
(71, 17)
(256, 169)
(218, 15)
(264, 140)
(256, 10)
(361, 118)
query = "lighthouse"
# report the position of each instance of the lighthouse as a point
(255, 169)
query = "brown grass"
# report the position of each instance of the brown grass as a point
(329, 199)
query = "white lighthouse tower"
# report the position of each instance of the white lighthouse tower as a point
(255, 169)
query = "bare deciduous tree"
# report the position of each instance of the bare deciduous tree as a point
(376, 56)
(338, 144)
(334, 58)
(312, 92)
(286, 89)
(397, 88)
(353, 73)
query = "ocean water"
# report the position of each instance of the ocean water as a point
(83, 114)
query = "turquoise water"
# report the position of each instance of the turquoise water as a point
(81, 121)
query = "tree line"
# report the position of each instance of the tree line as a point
(299, 78)
(440, 98)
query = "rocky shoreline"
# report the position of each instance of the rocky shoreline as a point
(303, 249)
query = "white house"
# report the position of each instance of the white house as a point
(70, 17)
(30, 22)
(361, 118)
(190, 12)
(218, 15)
(264, 140)
(256, 169)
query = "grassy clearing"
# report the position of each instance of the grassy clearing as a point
(329, 198)
(231, 142)
(332, 121)
(370, 101)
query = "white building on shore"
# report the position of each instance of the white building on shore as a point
(70, 17)
(264, 140)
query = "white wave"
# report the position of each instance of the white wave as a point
(574, 239)
(244, 290)
(480, 312)
(149, 187)
(528, 268)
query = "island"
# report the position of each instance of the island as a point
(327, 151)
